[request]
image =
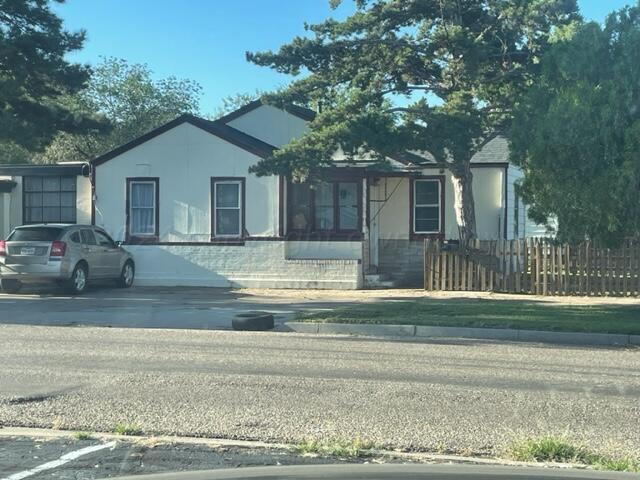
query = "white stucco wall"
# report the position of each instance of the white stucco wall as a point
(185, 158)
(4, 215)
(271, 125)
(391, 197)
(488, 192)
(16, 204)
(83, 200)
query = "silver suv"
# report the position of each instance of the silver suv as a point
(69, 255)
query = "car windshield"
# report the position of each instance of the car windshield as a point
(35, 234)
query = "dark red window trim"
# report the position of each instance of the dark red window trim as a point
(335, 234)
(243, 210)
(141, 239)
(412, 234)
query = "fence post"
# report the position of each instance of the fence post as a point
(425, 267)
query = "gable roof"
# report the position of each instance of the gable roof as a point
(300, 112)
(221, 130)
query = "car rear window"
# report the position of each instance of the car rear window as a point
(35, 234)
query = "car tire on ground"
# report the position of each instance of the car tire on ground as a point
(77, 284)
(10, 285)
(127, 274)
(253, 321)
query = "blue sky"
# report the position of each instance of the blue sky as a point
(205, 40)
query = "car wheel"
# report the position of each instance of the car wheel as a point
(10, 286)
(127, 275)
(77, 284)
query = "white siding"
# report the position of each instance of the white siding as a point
(184, 159)
(271, 125)
(517, 214)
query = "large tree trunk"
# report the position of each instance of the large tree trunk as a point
(464, 204)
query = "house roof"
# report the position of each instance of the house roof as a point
(300, 112)
(217, 128)
(496, 151)
(18, 170)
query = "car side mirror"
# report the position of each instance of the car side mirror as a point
(118, 243)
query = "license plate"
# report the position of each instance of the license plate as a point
(27, 251)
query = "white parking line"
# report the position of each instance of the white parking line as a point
(66, 458)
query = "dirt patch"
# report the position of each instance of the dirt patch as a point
(408, 294)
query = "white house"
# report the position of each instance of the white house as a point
(183, 202)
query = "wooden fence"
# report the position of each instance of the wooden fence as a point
(534, 265)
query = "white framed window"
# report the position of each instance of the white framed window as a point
(427, 206)
(143, 208)
(227, 207)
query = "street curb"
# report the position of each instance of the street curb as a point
(507, 334)
(223, 442)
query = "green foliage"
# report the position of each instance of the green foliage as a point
(577, 132)
(131, 101)
(337, 448)
(548, 449)
(481, 313)
(128, 429)
(231, 103)
(35, 78)
(82, 436)
(559, 449)
(11, 152)
(426, 75)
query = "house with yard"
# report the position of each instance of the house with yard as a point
(182, 200)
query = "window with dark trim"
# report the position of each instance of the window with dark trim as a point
(49, 199)
(143, 215)
(426, 206)
(227, 207)
(326, 207)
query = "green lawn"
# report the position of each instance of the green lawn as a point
(525, 315)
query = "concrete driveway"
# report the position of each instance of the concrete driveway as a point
(146, 307)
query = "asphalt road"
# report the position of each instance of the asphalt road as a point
(464, 397)
(146, 307)
(115, 459)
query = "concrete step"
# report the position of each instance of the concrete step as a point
(377, 280)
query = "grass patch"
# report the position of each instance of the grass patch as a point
(336, 448)
(82, 436)
(127, 429)
(557, 449)
(462, 312)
